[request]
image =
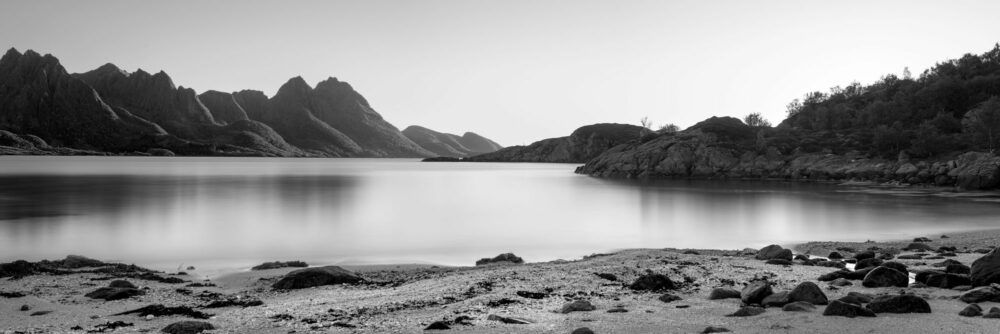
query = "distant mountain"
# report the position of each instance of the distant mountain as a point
(449, 145)
(582, 145)
(114, 111)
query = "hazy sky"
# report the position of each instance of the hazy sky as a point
(515, 71)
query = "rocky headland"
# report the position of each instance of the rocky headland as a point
(726, 148)
(926, 285)
(449, 145)
(580, 146)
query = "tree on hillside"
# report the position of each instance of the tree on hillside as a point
(983, 123)
(668, 128)
(755, 120)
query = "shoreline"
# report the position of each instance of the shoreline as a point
(408, 298)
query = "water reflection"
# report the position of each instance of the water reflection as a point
(238, 212)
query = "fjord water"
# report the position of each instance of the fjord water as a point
(235, 212)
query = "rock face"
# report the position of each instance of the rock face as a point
(38, 97)
(310, 277)
(723, 147)
(986, 270)
(449, 145)
(111, 110)
(582, 145)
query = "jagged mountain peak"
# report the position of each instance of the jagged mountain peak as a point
(296, 86)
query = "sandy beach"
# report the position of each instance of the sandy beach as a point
(409, 298)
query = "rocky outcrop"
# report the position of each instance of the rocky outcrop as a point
(986, 270)
(223, 106)
(721, 148)
(311, 277)
(449, 145)
(582, 145)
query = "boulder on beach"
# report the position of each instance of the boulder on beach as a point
(918, 246)
(986, 270)
(808, 292)
(510, 320)
(856, 298)
(774, 252)
(899, 304)
(188, 327)
(867, 263)
(755, 292)
(582, 330)
(121, 284)
(653, 282)
(502, 258)
(947, 281)
(723, 293)
(110, 293)
(973, 310)
(577, 306)
(842, 309)
(798, 307)
(777, 299)
(311, 277)
(896, 265)
(981, 294)
(885, 277)
(78, 261)
(667, 298)
(864, 255)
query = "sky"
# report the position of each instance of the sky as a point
(512, 70)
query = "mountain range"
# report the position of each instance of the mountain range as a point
(46, 110)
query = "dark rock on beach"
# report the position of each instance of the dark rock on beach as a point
(842, 309)
(856, 298)
(109, 293)
(808, 292)
(885, 277)
(667, 298)
(582, 330)
(159, 310)
(986, 269)
(899, 304)
(755, 292)
(653, 282)
(973, 310)
(981, 294)
(798, 307)
(188, 327)
(510, 320)
(577, 306)
(311, 277)
(438, 325)
(774, 252)
(724, 293)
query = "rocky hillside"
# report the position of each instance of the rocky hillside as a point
(449, 145)
(726, 148)
(582, 145)
(111, 111)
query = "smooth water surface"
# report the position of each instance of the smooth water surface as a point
(235, 212)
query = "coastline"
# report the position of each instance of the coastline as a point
(407, 298)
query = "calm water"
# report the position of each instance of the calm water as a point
(235, 212)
